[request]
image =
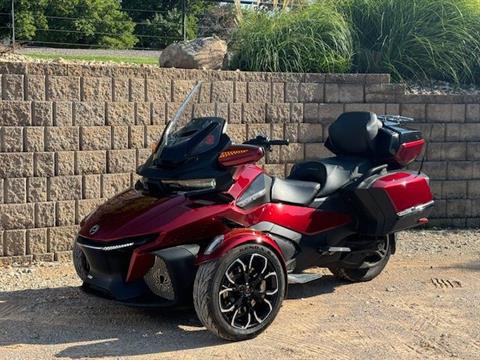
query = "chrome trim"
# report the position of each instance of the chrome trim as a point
(107, 248)
(414, 209)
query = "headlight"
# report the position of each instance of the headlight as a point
(193, 184)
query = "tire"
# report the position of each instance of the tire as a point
(362, 274)
(80, 262)
(221, 281)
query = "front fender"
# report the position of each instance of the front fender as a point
(239, 237)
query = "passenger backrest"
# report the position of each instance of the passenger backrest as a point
(353, 133)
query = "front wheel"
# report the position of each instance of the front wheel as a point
(239, 295)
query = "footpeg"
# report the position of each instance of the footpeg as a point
(302, 278)
(330, 250)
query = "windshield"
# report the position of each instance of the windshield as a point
(185, 135)
(180, 119)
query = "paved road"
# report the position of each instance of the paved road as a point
(426, 305)
(99, 52)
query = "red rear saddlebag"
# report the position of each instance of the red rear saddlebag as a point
(392, 202)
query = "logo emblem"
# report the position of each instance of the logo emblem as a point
(94, 229)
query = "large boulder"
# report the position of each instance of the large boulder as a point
(201, 53)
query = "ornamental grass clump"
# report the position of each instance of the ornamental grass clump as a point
(313, 38)
(416, 39)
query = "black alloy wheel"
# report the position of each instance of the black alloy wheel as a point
(238, 296)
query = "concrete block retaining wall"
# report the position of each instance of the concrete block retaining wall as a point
(71, 136)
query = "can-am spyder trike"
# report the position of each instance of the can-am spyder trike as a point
(205, 222)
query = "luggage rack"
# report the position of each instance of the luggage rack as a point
(394, 118)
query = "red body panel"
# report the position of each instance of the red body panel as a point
(405, 189)
(237, 237)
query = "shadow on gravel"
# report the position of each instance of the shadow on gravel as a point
(325, 285)
(62, 316)
(472, 265)
(87, 326)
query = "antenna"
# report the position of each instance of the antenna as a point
(425, 152)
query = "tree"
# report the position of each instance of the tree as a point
(159, 23)
(87, 22)
(29, 15)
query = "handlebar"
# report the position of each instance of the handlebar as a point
(265, 142)
(279, 142)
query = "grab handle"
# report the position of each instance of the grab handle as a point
(376, 170)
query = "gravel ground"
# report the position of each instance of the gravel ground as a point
(441, 88)
(425, 305)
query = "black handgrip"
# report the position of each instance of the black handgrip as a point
(279, 142)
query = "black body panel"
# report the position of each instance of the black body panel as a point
(180, 261)
(108, 270)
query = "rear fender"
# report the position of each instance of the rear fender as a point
(239, 237)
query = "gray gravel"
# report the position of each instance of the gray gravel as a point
(441, 88)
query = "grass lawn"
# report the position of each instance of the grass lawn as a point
(114, 58)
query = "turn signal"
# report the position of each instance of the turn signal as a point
(240, 154)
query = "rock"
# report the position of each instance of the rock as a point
(201, 53)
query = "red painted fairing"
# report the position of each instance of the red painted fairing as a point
(304, 220)
(405, 189)
(238, 237)
(408, 152)
(242, 177)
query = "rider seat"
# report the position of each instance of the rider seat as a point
(294, 191)
(331, 173)
(352, 139)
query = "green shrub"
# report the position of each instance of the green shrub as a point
(309, 39)
(416, 39)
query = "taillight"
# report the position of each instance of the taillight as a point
(408, 152)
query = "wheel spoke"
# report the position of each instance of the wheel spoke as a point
(244, 267)
(226, 290)
(231, 308)
(229, 279)
(248, 321)
(270, 274)
(269, 305)
(234, 316)
(273, 292)
(260, 256)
